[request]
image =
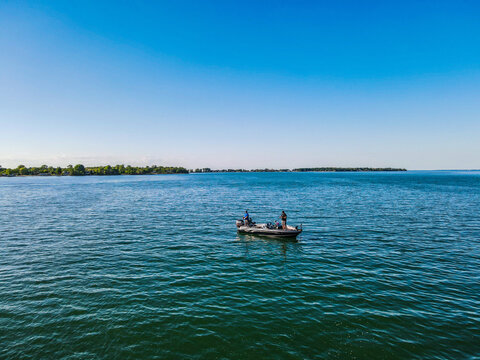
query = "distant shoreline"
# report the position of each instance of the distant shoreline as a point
(108, 170)
(320, 169)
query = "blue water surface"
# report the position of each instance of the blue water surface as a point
(144, 267)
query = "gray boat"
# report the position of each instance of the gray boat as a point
(268, 230)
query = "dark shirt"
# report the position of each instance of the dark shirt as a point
(284, 216)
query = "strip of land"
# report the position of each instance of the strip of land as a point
(317, 169)
(80, 170)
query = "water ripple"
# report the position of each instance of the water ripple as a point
(151, 267)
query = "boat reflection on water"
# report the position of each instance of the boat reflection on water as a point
(267, 243)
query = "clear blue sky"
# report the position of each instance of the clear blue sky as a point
(241, 83)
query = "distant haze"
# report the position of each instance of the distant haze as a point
(240, 84)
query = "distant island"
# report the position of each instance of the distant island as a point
(80, 170)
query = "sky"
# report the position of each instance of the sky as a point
(240, 84)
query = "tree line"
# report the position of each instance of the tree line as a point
(317, 169)
(208, 170)
(81, 170)
(334, 169)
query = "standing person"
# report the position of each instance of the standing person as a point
(246, 218)
(284, 220)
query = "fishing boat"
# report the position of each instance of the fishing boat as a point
(268, 230)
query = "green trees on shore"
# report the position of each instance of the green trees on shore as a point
(80, 170)
(335, 169)
(317, 169)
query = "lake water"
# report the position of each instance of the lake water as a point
(149, 267)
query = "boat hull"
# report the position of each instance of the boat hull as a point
(258, 230)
